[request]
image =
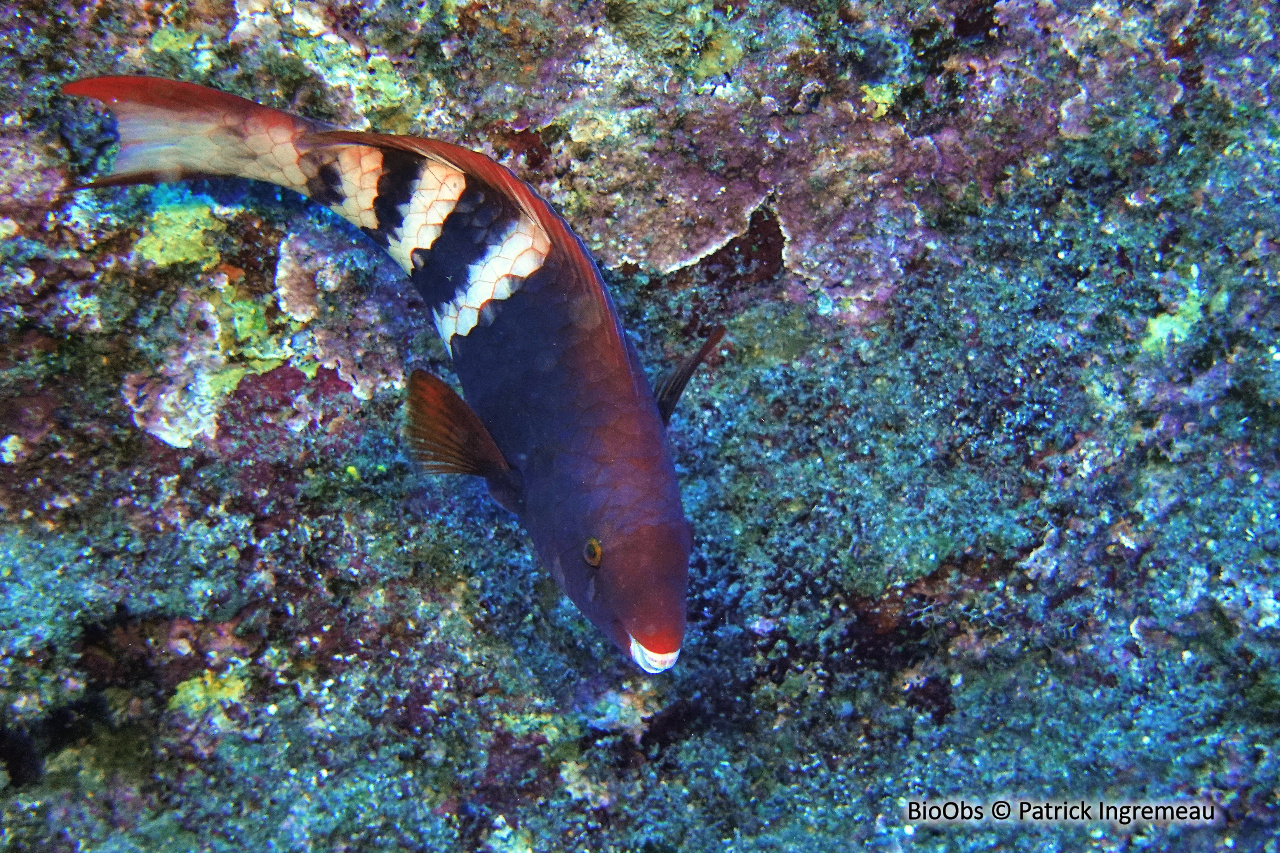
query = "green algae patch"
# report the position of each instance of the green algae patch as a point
(720, 55)
(377, 87)
(257, 339)
(223, 383)
(169, 38)
(448, 13)
(182, 230)
(771, 334)
(12, 449)
(248, 320)
(1177, 325)
(225, 333)
(1181, 323)
(210, 691)
(880, 98)
(557, 730)
(505, 839)
(662, 29)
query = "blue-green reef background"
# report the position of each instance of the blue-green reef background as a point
(984, 479)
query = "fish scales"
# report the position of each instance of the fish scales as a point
(558, 416)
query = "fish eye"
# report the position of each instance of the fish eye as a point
(591, 552)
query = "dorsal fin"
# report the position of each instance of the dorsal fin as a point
(446, 436)
(668, 390)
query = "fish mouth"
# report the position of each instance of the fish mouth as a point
(652, 662)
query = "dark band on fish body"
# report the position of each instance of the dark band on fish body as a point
(326, 186)
(400, 173)
(479, 220)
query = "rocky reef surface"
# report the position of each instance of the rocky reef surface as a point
(984, 479)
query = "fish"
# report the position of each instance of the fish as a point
(556, 414)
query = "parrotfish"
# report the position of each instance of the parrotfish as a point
(556, 414)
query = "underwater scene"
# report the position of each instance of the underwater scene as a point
(981, 481)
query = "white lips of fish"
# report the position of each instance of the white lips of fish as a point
(650, 661)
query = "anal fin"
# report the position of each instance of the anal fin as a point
(668, 390)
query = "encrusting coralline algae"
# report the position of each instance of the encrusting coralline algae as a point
(983, 486)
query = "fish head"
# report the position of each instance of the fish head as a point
(631, 582)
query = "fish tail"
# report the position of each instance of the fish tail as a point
(171, 130)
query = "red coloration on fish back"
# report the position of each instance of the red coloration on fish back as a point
(559, 418)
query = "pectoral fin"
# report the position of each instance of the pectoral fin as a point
(447, 437)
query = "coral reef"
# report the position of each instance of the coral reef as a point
(984, 480)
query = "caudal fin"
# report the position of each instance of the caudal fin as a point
(171, 130)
